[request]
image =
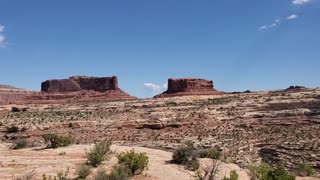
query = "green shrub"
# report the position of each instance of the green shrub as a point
(214, 154)
(259, 172)
(233, 176)
(304, 170)
(279, 173)
(202, 153)
(135, 162)
(266, 172)
(97, 155)
(119, 172)
(187, 155)
(83, 171)
(193, 164)
(20, 144)
(56, 140)
(184, 154)
(60, 176)
(101, 175)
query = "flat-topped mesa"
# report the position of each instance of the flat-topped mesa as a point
(80, 89)
(189, 86)
(78, 83)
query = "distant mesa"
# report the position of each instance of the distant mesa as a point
(74, 89)
(82, 88)
(295, 88)
(78, 83)
(189, 86)
(9, 88)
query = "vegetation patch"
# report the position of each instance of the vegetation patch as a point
(266, 172)
(212, 153)
(83, 171)
(233, 176)
(304, 170)
(119, 172)
(97, 155)
(60, 176)
(20, 144)
(55, 140)
(186, 155)
(135, 162)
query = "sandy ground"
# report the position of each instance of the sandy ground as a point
(39, 161)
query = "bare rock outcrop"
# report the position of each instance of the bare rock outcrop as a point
(81, 89)
(19, 109)
(10, 94)
(189, 86)
(78, 83)
(74, 89)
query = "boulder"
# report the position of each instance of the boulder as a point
(19, 109)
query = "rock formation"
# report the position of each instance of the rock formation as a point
(78, 83)
(189, 86)
(74, 89)
(81, 88)
(10, 94)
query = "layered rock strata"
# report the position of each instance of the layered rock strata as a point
(189, 86)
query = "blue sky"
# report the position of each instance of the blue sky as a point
(240, 45)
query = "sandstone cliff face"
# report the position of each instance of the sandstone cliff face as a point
(80, 89)
(10, 94)
(12, 97)
(78, 83)
(189, 86)
(74, 89)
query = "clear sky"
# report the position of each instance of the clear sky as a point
(240, 45)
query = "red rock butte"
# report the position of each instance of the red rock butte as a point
(188, 87)
(78, 83)
(74, 89)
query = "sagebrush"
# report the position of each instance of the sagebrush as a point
(135, 162)
(97, 155)
(55, 140)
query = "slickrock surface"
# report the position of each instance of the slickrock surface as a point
(272, 126)
(189, 86)
(16, 164)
